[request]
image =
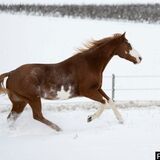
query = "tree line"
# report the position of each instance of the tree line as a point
(134, 12)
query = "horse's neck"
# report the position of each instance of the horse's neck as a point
(100, 59)
(107, 57)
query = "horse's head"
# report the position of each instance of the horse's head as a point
(126, 51)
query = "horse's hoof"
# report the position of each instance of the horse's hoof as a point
(121, 121)
(89, 119)
(58, 129)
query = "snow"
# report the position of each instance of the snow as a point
(77, 1)
(104, 138)
(31, 39)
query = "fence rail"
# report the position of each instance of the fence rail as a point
(116, 78)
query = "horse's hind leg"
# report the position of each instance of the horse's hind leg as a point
(17, 108)
(37, 114)
(18, 105)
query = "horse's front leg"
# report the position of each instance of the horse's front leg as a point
(95, 95)
(96, 114)
(112, 105)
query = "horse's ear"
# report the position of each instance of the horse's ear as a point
(123, 35)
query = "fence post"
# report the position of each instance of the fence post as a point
(113, 87)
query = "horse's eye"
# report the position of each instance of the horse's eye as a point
(129, 45)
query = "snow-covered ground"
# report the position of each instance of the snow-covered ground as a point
(138, 138)
(30, 39)
(77, 1)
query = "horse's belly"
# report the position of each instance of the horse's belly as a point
(57, 94)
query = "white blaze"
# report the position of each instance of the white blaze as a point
(135, 54)
(62, 94)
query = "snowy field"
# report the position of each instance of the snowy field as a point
(30, 39)
(138, 138)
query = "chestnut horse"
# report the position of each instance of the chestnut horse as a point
(79, 75)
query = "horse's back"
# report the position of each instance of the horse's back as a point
(27, 71)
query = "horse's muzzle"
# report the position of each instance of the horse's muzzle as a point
(138, 60)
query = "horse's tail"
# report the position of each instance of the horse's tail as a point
(2, 77)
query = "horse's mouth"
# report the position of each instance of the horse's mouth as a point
(138, 61)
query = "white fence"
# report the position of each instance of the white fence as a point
(143, 87)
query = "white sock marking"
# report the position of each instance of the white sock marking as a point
(115, 111)
(107, 105)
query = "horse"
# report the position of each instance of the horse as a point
(80, 75)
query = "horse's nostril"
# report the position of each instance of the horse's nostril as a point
(140, 58)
